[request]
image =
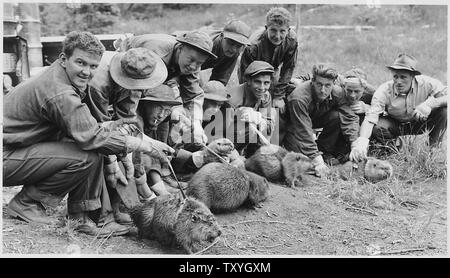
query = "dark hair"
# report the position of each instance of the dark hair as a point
(325, 71)
(279, 16)
(85, 41)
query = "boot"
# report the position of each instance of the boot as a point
(25, 208)
(87, 226)
(120, 217)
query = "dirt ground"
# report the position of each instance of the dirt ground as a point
(311, 220)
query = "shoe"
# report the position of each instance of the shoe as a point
(28, 209)
(122, 218)
(115, 229)
(88, 227)
(330, 159)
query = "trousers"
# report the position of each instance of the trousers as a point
(50, 170)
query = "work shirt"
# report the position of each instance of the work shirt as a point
(401, 106)
(304, 107)
(241, 96)
(283, 55)
(48, 108)
(103, 91)
(166, 47)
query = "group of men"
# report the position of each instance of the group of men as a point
(148, 106)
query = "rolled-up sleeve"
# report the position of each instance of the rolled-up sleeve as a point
(74, 118)
(378, 104)
(349, 122)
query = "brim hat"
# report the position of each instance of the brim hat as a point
(237, 31)
(215, 90)
(405, 62)
(199, 40)
(163, 93)
(138, 69)
(258, 67)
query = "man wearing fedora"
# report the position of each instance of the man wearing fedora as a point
(120, 80)
(276, 44)
(253, 108)
(53, 146)
(183, 57)
(412, 102)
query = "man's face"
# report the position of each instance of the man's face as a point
(322, 87)
(155, 113)
(277, 33)
(231, 48)
(80, 67)
(190, 60)
(259, 84)
(210, 108)
(353, 92)
(402, 80)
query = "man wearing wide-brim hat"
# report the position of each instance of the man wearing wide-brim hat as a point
(228, 44)
(154, 108)
(183, 57)
(120, 80)
(252, 103)
(413, 102)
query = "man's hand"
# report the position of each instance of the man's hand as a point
(359, 107)
(359, 149)
(156, 148)
(320, 168)
(422, 112)
(114, 174)
(251, 116)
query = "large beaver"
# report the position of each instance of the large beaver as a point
(171, 219)
(372, 169)
(277, 164)
(222, 187)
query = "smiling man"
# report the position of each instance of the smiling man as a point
(53, 146)
(183, 57)
(413, 103)
(319, 103)
(277, 45)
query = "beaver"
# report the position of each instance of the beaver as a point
(222, 187)
(372, 169)
(171, 219)
(277, 164)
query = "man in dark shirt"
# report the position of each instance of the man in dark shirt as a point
(53, 146)
(318, 103)
(277, 45)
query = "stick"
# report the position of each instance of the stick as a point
(361, 209)
(403, 251)
(211, 245)
(268, 222)
(261, 136)
(175, 176)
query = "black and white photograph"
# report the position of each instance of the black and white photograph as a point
(239, 129)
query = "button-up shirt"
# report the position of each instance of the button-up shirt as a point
(304, 108)
(401, 106)
(166, 47)
(283, 55)
(103, 91)
(48, 108)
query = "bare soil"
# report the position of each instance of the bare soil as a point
(312, 220)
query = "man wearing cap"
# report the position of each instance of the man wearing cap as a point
(154, 109)
(253, 107)
(120, 80)
(413, 103)
(53, 146)
(276, 44)
(227, 46)
(319, 103)
(183, 57)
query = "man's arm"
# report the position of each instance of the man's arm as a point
(223, 71)
(246, 59)
(126, 103)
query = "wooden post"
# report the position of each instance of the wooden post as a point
(297, 20)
